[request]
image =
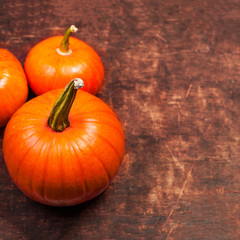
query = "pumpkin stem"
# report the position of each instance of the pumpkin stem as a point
(64, 46)
(58, 119)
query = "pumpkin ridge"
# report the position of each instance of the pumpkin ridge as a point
(32, 173)
(109, 143)
(44, 173)
(35, 163)
(97, 74)
(60, 163)
(81, 169)
(56, 72)
(22, 160)
(97, 157)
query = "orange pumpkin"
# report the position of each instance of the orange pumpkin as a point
(60, 157)
(55, 61)
(13, 85)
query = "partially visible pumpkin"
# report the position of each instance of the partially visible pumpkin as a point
(13, 85)
(63, 157)
(55, 61)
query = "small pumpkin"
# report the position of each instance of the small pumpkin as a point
(65, 155)
(13, 85)
(55, 61)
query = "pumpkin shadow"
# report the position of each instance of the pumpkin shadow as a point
(2, 129)
(31, 94)
(28, 219)
(32, 220)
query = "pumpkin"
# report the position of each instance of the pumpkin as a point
(65, 155)
(55, 61)
(13, 85)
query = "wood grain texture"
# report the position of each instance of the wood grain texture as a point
(172, 77)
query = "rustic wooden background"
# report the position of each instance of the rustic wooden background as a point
(173, 78)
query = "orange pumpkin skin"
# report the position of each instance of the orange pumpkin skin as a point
(46, 69)
(13, 85)
(63, 168)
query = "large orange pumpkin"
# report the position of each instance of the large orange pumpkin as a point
(63, 157)
(55, 61)
(13, 85)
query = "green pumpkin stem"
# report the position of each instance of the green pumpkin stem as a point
(64, 46)
(58, 119)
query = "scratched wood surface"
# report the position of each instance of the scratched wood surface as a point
(173, 79)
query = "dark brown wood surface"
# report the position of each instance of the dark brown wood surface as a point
(172, 75)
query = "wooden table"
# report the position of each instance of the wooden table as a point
(173, 78)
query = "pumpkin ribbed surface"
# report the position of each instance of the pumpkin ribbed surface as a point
(69, 167)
